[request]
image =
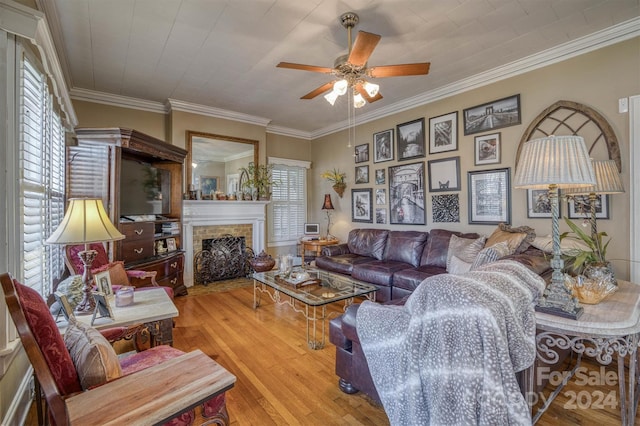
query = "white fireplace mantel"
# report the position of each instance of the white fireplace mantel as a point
(211, 213)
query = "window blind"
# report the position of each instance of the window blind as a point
(288, 207)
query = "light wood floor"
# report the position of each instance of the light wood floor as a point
(282, 382)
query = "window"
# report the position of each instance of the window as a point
(41, 166)
(288, 207)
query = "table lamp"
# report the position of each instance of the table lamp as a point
(328, 206)
(607, 182)
(555, 162)
(85, 222)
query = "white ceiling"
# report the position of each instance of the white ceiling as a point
(223, 54)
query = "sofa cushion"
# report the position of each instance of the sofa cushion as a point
(409, 279)
(368, 242)
(378, 272)
(437, 246)
(465, 251)
(405, 246)
(518, 239)
(93, 356)
(491, 254)
(342, 263)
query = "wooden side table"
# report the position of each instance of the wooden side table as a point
(316, 246)
(609, 328)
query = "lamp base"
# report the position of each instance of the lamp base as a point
(558, 300)
(88, 304)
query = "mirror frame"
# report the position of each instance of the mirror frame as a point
(189, 160)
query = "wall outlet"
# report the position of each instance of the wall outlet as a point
(623, 105)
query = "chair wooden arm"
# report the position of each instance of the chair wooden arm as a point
(153, 395)
(140, 276)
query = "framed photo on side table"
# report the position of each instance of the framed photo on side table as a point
(102, 281)
(103, 309)
(65, 307)
(411, 139)
(489, 196)
(383, 146)
(362, 208)
(443, 133)
(487, 149)
(171, 244)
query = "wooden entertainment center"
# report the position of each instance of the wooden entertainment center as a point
(153, 242)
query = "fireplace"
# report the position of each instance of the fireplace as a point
(197, 214)
(222, 258)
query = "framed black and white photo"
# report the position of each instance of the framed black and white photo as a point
(489, 196)
(487, 149)
(381, 196)
(362, 208)
(538, 204)
(383, 146)
(381, 216)
(580, 207)
(410, 139)
(445, 208)
(443, 133)
(362, 174)
(102, 281)
(380, 177)
(406, 194)
(444, 174)
(504, 112)
(362, 153)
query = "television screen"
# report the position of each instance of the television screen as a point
(144, 189)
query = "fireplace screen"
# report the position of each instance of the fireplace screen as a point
(222, 258)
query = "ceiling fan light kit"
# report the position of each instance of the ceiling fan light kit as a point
(351, 70)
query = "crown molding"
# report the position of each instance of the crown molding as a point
(88, 95)
(176, 105)
(286, 131)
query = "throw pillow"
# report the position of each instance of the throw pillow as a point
(458, 266)
(518, 239)
(94, 358)
(491, 254)
(117, 273)
(567, 244)
(465, 249)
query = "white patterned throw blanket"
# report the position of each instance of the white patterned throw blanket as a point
(450, 354)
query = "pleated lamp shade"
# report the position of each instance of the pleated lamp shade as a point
(555, 160)
(607, 180)
(85, 221)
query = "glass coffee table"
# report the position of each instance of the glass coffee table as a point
(325, 288)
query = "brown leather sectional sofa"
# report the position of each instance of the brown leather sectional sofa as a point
(396, 262)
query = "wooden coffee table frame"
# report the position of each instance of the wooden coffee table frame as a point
(315, 298)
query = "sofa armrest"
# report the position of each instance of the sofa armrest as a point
(335, 250)
(349, 318)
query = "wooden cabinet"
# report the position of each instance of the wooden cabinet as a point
(94, 167)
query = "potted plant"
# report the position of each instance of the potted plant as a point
(259, 180)
(591, 263)
(337, 179)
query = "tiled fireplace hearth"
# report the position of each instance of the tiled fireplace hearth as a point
(209, 219)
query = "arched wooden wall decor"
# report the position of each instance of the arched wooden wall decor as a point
(572, 118)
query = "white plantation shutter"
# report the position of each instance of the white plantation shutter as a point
(41, 160)
(288, 207)
(88, 169)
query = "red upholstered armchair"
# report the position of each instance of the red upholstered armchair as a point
(119, 276)
(72, 368)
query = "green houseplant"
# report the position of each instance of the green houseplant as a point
(259, 180)
(337, 179)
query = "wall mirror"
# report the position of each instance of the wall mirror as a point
(214, 161)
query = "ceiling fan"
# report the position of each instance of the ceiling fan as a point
(351, 70)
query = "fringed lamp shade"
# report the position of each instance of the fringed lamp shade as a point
(551, 163)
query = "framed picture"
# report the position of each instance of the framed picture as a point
(102, 281)
(208, 185)
(103, 309)
(406, 194)
(383, 146)
(489, 196)
(381, 216)
(410, 140)
(381, 196)
(380, 177)
(361, 210)
(65, 307)
(580, 207)
(504, 112)
(487, 149)
(538, 204)
(444, 174)
(362, 174)
(443, 133)
(171, 244)
(362, 153)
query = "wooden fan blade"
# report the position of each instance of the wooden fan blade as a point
(363, 48)
(366, 96)
(421, 68)
(303, 67)
(320, 90)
